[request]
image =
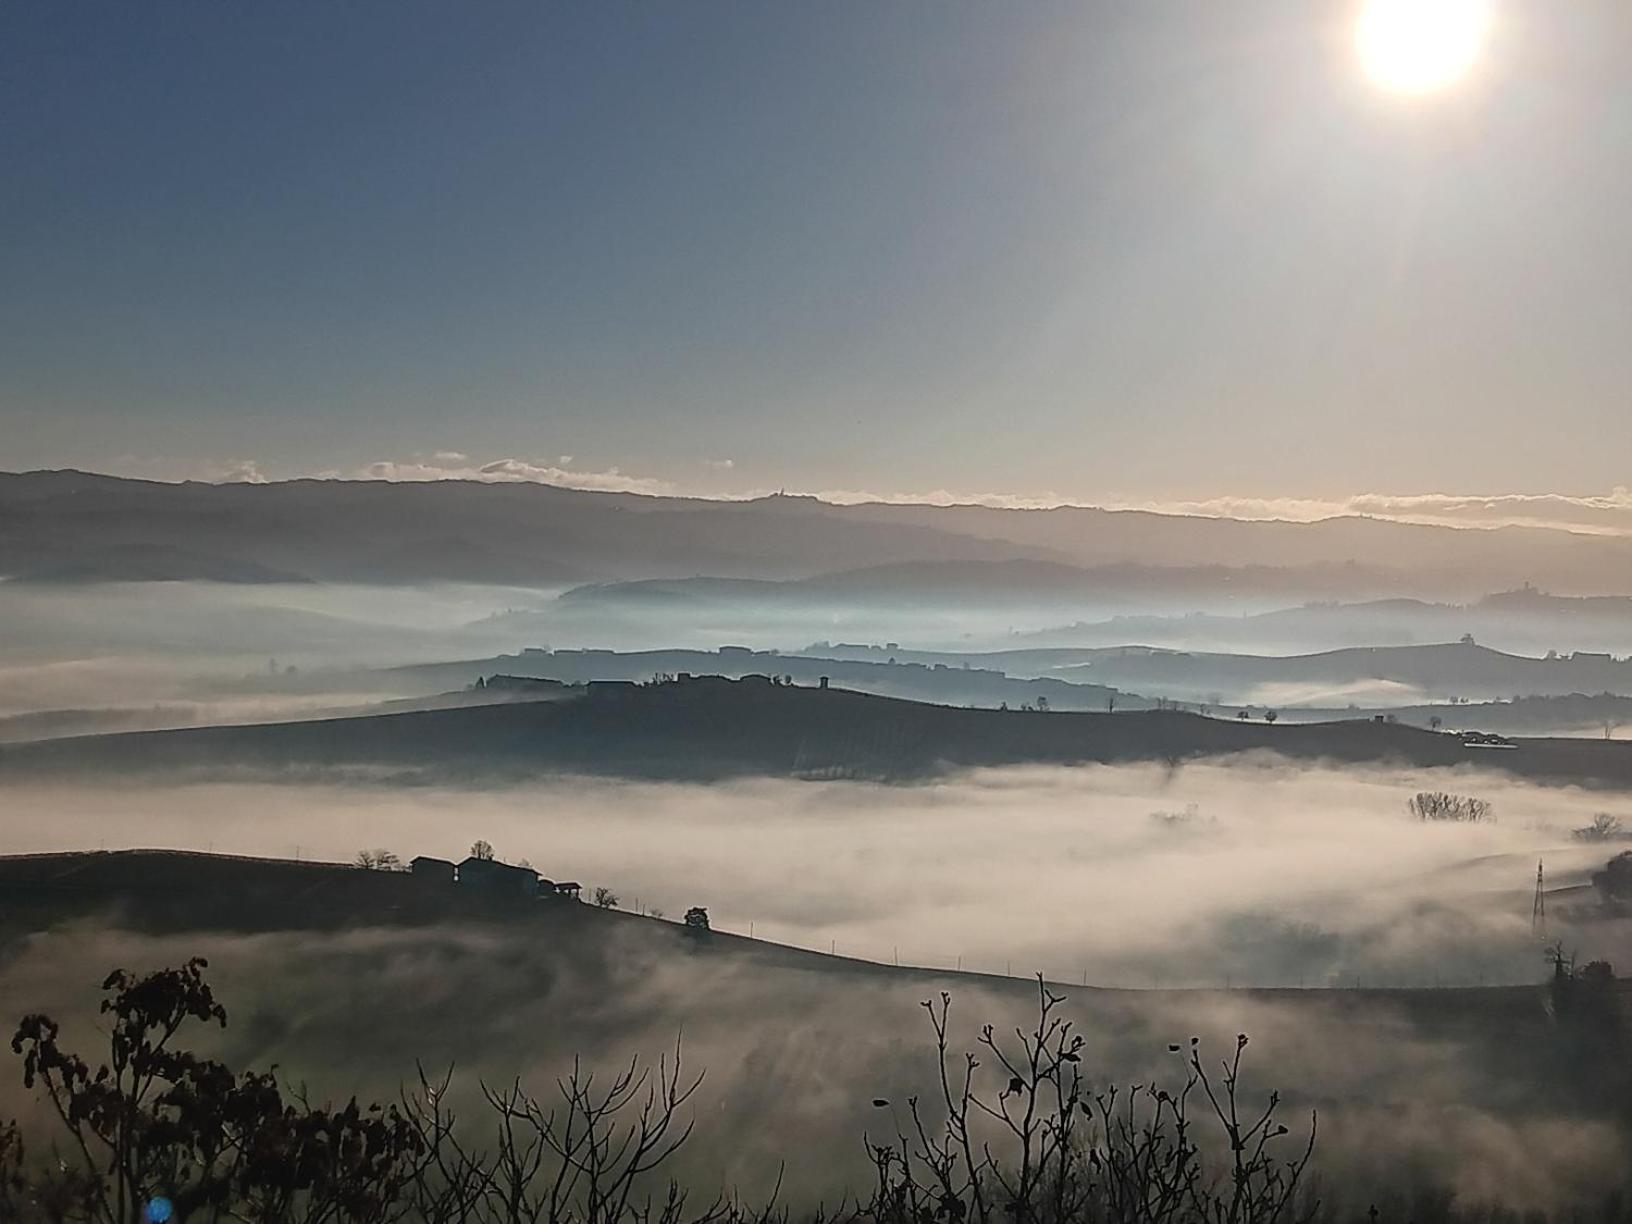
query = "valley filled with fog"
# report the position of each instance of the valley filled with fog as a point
(101, 656)
(1256, 873)
(822, 612)
(1179, 792)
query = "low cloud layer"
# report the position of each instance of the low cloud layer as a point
(1244, 874)
(1605, 514)
(453, 466)
(1601, 514)
(1418, 1100)
(1208, 876)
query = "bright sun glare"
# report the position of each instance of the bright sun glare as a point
(1419, 46)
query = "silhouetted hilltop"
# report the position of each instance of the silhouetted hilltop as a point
(169, 891)
(713, 728)
(53, 724)
(940, 682)
(85, 526)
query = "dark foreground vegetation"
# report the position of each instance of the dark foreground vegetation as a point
(154, 1132)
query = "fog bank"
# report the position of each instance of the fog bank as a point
(1248, 873)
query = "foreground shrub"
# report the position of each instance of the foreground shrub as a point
(1045, 1147)
(1013, 1135)
(164, 1134)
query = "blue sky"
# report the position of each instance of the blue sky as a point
(1097, 251)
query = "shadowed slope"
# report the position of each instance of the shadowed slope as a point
(712, 728)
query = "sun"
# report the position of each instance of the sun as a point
(1421, 46)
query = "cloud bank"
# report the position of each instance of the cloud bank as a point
(1126, 875)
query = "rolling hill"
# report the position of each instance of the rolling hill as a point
(713, 728)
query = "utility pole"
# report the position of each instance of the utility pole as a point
(1538, 908)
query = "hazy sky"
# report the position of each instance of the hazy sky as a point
(1177, 248)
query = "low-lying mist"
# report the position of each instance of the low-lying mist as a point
(1420, 1098)
(1250, 873)
(1243, 873)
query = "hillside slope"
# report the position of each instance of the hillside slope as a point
(713, 728)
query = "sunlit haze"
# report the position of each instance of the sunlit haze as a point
(1104, 253)
(1420, 46)
(816, 612)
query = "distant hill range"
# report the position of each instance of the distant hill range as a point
(714, 728)
(1378, 675)
(1447, 671)
(75, 527)
(911, 585)
(1526, 619)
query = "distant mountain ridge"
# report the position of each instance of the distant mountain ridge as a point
(75, 526)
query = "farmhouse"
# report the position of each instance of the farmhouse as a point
(438, 871)
(499, 877)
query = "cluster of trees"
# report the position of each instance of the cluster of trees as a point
(1015, 1135)
(1604, 828)
(1614, 882)
(1444, 806)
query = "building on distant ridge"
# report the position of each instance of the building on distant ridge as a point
(500, 877)
(437, 871)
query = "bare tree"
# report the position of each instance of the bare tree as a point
(1015, 1135)
(1603, 828)
(606, 898)
(1443, 806)
(378, 860)
(481, 850)
(1045, 1147)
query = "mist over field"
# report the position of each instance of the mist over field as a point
(1256, 873)
(1419, 1101)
